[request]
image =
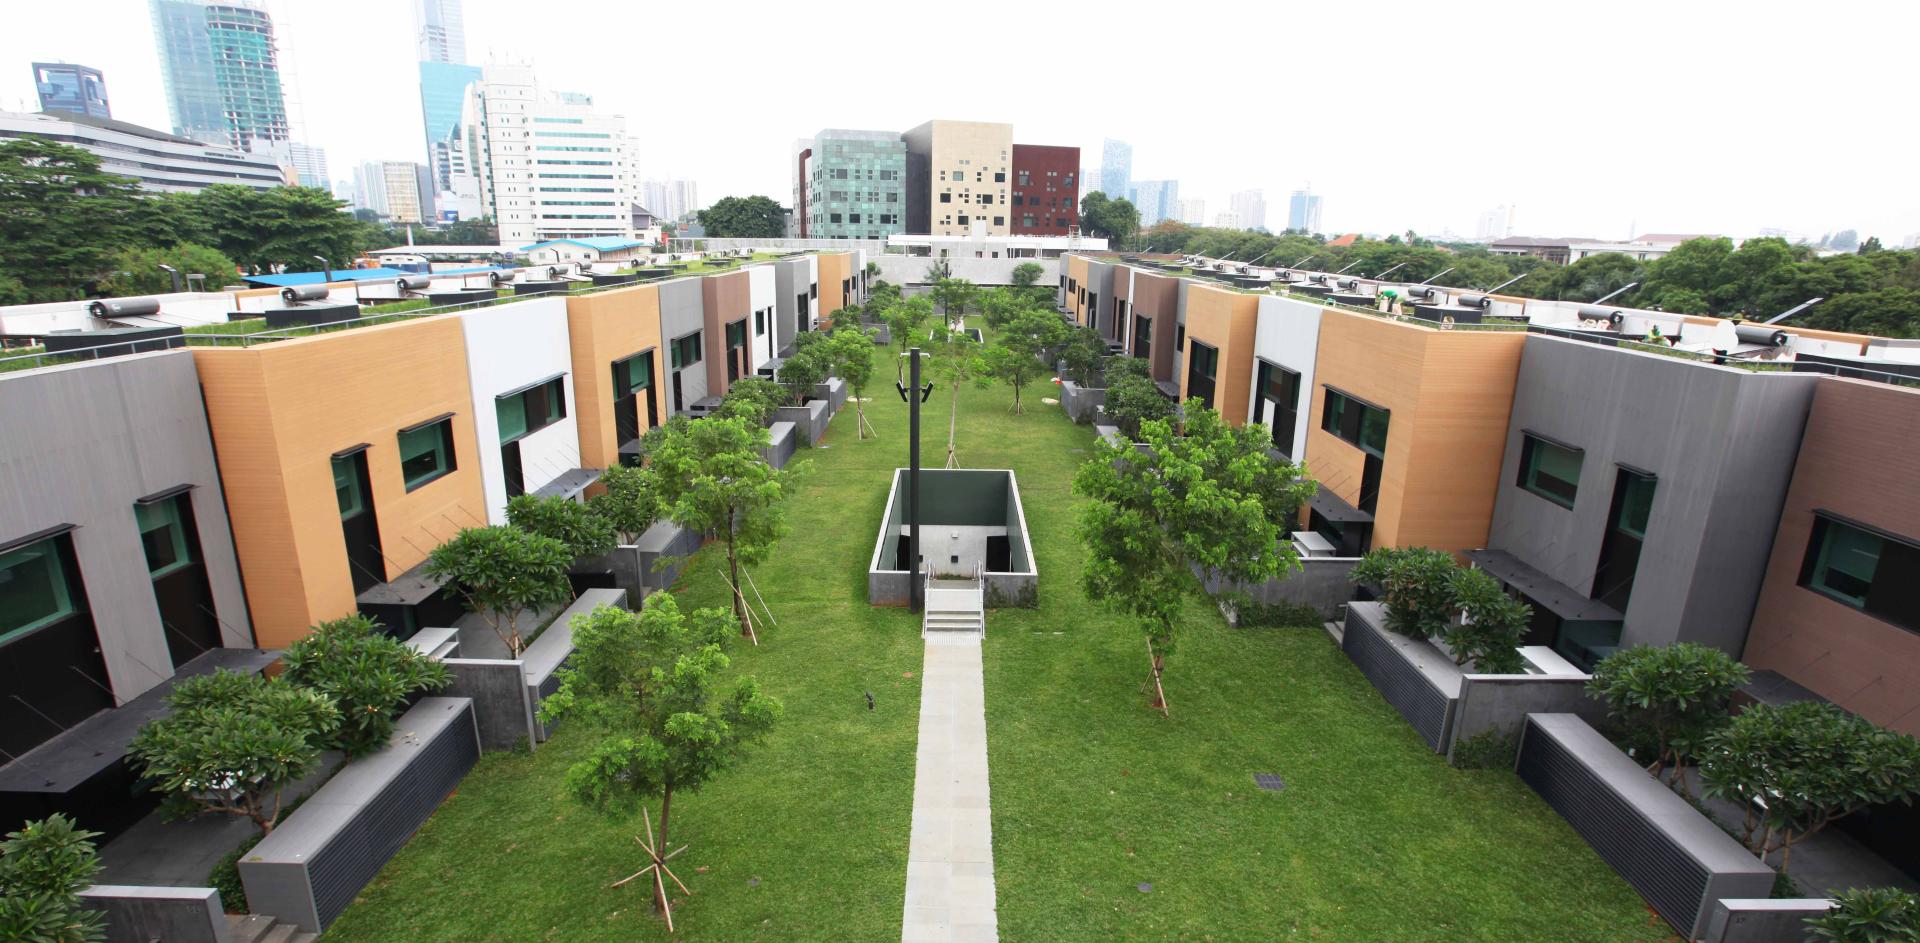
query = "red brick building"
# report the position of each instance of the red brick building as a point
(1046, 189)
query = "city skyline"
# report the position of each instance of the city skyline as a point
(364, 106)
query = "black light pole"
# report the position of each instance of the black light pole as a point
(917, 593)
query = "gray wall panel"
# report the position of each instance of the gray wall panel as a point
(683, 311)
(78, 445)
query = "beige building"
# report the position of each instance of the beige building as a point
(403, 191)
(959, 178)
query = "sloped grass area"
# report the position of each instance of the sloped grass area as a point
(1373, 839)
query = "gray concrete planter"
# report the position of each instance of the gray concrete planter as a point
(783, 441)
(809, 421)
(1081, 403)
(834, 391)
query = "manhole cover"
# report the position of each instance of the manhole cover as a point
(1144, 887)
(1269, 782)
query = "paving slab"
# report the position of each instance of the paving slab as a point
(950, 897)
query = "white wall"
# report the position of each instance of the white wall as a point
(813, 300)
(761, 297)
(1287, 333)
(909, 269)
(508, 347)
(183, 308)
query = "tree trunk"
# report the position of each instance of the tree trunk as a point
(733, 570)
(1016, 399)
(1158, 660)
(666, 806)
(953, 423)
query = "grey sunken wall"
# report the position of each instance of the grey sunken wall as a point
(682, 312)
(1722, 442)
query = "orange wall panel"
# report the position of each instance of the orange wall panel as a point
(1226, 321)
(603, 328)
(834, 266)
(726, 300)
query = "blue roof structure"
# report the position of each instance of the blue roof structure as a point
(597, 243)
(290, 279)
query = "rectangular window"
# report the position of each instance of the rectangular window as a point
(946, 198)
(999, 176)
(685, 351)
(1023, 178)
(1180, 337)
(426, 452)
(759, 323)
(963, 220)
(1868, 570)
(999, 221)
(346, 486)
(35, 590)
(163, 534)
(1352, 420)
(1202, 366)
(737, 334)
(635, 374)
(1279, 389)
(986, 199)
(1027, 220)
(1549, 469)
(527, 411)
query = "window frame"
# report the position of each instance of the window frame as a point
(443, 425)
(1869, 603)
(61, 585)
(552, 392)
(183, 555)
(674, 361)
(1338, 405)
(1531, 448)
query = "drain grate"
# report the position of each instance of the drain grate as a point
(1269, 782)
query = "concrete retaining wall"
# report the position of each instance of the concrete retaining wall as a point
(1080, 402)
(1321, 583)
(664, 540)
(889, 588)
(502, 711)
(1011, 590)
(1738, 920)
(784, 441)
(1500, 703)
(554, 646)
(1412, 675)
(809, 421)
(834, 391)
(169, 914)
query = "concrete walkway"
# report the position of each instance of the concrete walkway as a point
(950, 857)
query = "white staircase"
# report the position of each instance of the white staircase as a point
(956, 606)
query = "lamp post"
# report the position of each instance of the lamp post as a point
(914, 396)
(326, 269)
(173, 273)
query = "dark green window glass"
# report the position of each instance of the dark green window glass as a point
(1636, 504)
(346, 487)
(426, 453)
(1550, 471)
(34, 591)
(164, 535)
(531, 409)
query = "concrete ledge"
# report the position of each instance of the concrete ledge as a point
(669, 541)
(784, 441)
(1745, 920)
(171, 914)
(834, 391)
(809, 421)
(1413, 676)
(1499, 704)
(554, 646)
(1081, 402)
(502, 709)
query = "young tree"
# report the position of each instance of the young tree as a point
(907, 322)
(711, 477)
(626, 503)
(43, 868)
(998, 306)
(1014, 355)
(850, 351)
(367, 674)
(1676, 695)
(954, 295)
(1812, 763)
(956, 359)
(1869, 915)
(1206, 506)
(648, 681)
(502, 573)
(584, 533)
(748, 217)
(756, 399)
(231, 742)
(1084, 351)
(1493, 626)
(1027, 275)
(1133, 401)
(1416, 584)
(810, 365)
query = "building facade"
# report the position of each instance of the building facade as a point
(221, 70)
(1303, 211)
(155, 160)
(550, 165)
(444, 87)
(851, 185)
(441, 31)
(959, 178)
(1156, 200)
(1116, 168)
(1046, 190)
(1252, 207)
(63, 86)
(671, 200)
(1193, 212)
(309, 164)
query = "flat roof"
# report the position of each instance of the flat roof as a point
(287, 279)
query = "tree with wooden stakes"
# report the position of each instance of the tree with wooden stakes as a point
(954, 296)
(850, 349)
(648, 683)
(710, 476)
(907, 321)
(956, 358)
(1200, 504)
(1014, 355)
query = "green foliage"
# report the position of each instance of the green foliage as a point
(284, 226)
(13, 291)
(43, 868)
(225, 876)
(954, 296)
(1014, 355)
(502, 573)
(748, 217)
(367, 674)
(1416, 583)
(710, 477)
(908, 320)
(61, 217)
(1114, 219)
(755, 399)
(1676, 696)
(1202, 507)
(585, 533)
(1869, 915)
(648, 682)
(136, 269)
(1488, 749)
(625, 502)
(1249, 614)
(810, 365)
(1123, 365)
(850, 352)
(1027, 274)
(1133, 401)
(1495, 623)
(1812, 762)
(1084, 351)
(232, 741)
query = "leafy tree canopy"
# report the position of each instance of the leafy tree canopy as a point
(368, 674)
(744, 217)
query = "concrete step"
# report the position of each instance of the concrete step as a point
(247, 928)
(304, 937)
(281, 933)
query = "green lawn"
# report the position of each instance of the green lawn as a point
(1375, 838)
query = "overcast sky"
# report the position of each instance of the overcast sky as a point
(1596, 120)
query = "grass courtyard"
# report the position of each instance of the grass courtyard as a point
(1110, 822)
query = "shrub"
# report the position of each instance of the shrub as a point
(754, 398)
(43, 868)
(1489, 636)
(1673, 697)
(368, 674)
(1083, 354)
(1870, 915)
(1279, 615)
(1416, 584)
(1132, 400)
(1488, 749)
(626, 504)
(584, 533)
(225, 878)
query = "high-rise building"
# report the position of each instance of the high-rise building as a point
(440, 31)
(1227, 220)
(156, 160)
(959, 178)
(851, 185)
(1251, 205)
(444, 87)
(1156, 200)
(1116, 169)
(1089, 181)
(1046, 190)
(222, 72)
(1303, 211)
(1496, 223)
(392, 188)
(671, 200)
(550, 165)
(1193, 212)
(309, 164)
(76, 88)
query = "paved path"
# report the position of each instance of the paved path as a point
(950, 857)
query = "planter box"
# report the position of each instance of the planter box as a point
(1081, 403)
(137, 914)
(664, 540)
(809, 421)
(834, 391)
(1678, 859)
(1413, 676)
(542, 659)
(540, 288)
(1321, 583)
(781, 447)
(502, 711)
(1739, 920)
(315, 862)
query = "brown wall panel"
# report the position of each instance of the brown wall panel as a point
(726, 300)
(603, 328)
(1226, 321)
(1158, 297)
(834, 267)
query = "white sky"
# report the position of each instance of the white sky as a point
(1594, 119)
